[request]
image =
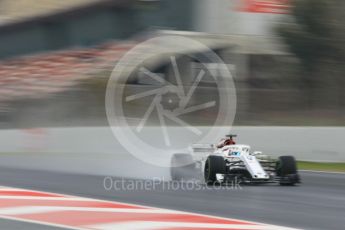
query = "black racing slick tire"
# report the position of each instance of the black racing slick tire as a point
(182, 167)
(287, 170)
(213, 165)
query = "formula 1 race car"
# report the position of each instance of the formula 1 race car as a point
(229, 161)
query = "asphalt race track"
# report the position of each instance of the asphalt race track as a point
(318, 203)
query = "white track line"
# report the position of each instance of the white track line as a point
(151, 225)
(46, 198)
(22, 210)
(326, 172)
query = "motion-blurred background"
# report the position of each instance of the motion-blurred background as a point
(56, 57)
(287, 57)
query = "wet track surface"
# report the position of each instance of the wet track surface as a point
(318, 203)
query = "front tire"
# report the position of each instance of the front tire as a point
(287, 170)
(214, 165)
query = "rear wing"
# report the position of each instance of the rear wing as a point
(203, 149)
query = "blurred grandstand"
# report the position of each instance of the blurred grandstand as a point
(12, 11)
(56, 57)
(33, 76)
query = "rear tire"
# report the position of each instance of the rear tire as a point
(287, 170)
(182, 167)
(214, 165)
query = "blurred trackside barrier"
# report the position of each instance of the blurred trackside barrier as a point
(306, 143)
(95, 150)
